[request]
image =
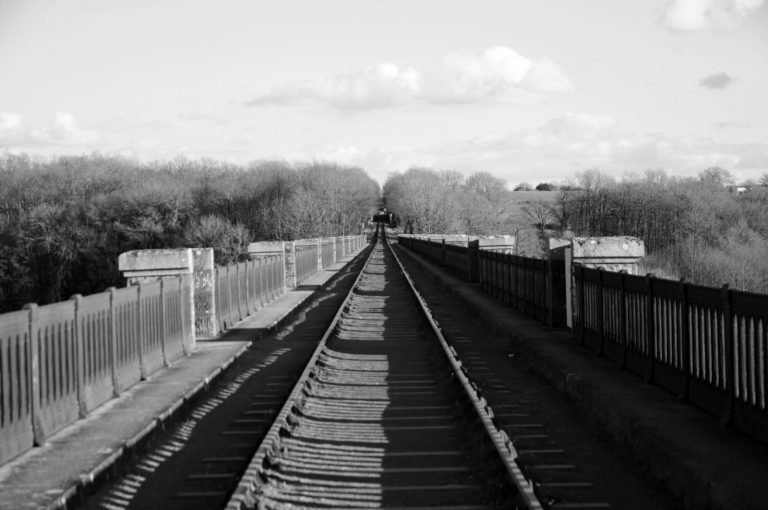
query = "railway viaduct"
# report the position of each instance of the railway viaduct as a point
(578, 369)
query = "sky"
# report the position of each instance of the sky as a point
(527, 90)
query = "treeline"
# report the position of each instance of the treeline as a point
(429, 201)
(64, 221)
(703, 229)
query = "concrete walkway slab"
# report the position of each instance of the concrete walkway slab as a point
(54, 474)
(702, 463)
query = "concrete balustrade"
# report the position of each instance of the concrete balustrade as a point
(61, 361)
(143, 266)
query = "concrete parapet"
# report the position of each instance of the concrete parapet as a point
(262, 248)
(499, 243)
(148, 265)
(267, 248)
(290, 264)
(609, 253)
(140, 266)
(203, 273)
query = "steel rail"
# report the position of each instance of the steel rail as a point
(243, 497)
(501, 441)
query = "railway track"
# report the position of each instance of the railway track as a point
(381, 413)
(384, 416)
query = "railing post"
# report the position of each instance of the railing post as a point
(524, 289)
(730, 375)
(163, 321)
(650, 325)
(33, 373)
(623, 318)
(685, 337)
(79, 356)
(473, 254)
(600, 314)
(140, 334)
(443, 253)
(548, 294)
(113, 342)
(580, 319)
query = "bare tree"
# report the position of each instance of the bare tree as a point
(539, 211)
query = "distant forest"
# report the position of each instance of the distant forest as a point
(704, 229)
(64, 221)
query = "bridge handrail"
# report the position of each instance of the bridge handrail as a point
(59, 362)
(525, 283)
(707, 345)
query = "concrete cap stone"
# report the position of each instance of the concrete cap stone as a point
(266, 247)
(499, 240)
(608, 247)
(202, 259)
(166, 262)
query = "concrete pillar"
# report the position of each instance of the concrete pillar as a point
(140, 266)
(500, 243)
(609, 253)
(333, 243)
(206, 323)
(319, 242)
(266, 248)
(621, 253)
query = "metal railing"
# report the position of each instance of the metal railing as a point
(244, 287)
(58, 362)
(534, 286)
(61, 361)
(328, 249)
(708, 345)
(306, 262)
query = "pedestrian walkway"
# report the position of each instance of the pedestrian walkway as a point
(58, 472)
(702, 463)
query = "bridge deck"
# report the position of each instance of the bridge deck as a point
(700, 460)
(49, 475)
(688, 451)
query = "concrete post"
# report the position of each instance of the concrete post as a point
(319, 242)
(333, 243)
(615, 254)
(266, 248)
(206, 323)
(140, 266)
(501, 243)
(609, 253)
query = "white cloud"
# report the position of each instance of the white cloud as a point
(558, 148)
(497, 74)
(9, 123)
(580, 125)
(203, 117)
(716, 81)
(689, 15)
(375, 86)
(61, 131)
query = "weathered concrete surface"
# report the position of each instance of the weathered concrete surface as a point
(609, 253)
(290, 265)
(206, 324)
(140, 265)
(498, 242)
(266, 248)
(705, 465)
(608, 247)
